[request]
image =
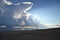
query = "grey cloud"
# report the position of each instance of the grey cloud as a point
(12, 10)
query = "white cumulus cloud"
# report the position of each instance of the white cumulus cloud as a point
(7, 2)
(10, 3)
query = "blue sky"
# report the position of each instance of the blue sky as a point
(48, 11)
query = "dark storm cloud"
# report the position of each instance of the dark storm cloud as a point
(10, 12)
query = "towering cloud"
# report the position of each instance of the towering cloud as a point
(25, 11)
(24, 14)
(14, 13)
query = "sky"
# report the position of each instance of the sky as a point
(49, 11)
(46, 12)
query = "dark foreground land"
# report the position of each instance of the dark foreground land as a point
(47, 34)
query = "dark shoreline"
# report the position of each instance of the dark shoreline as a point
(46, 34)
